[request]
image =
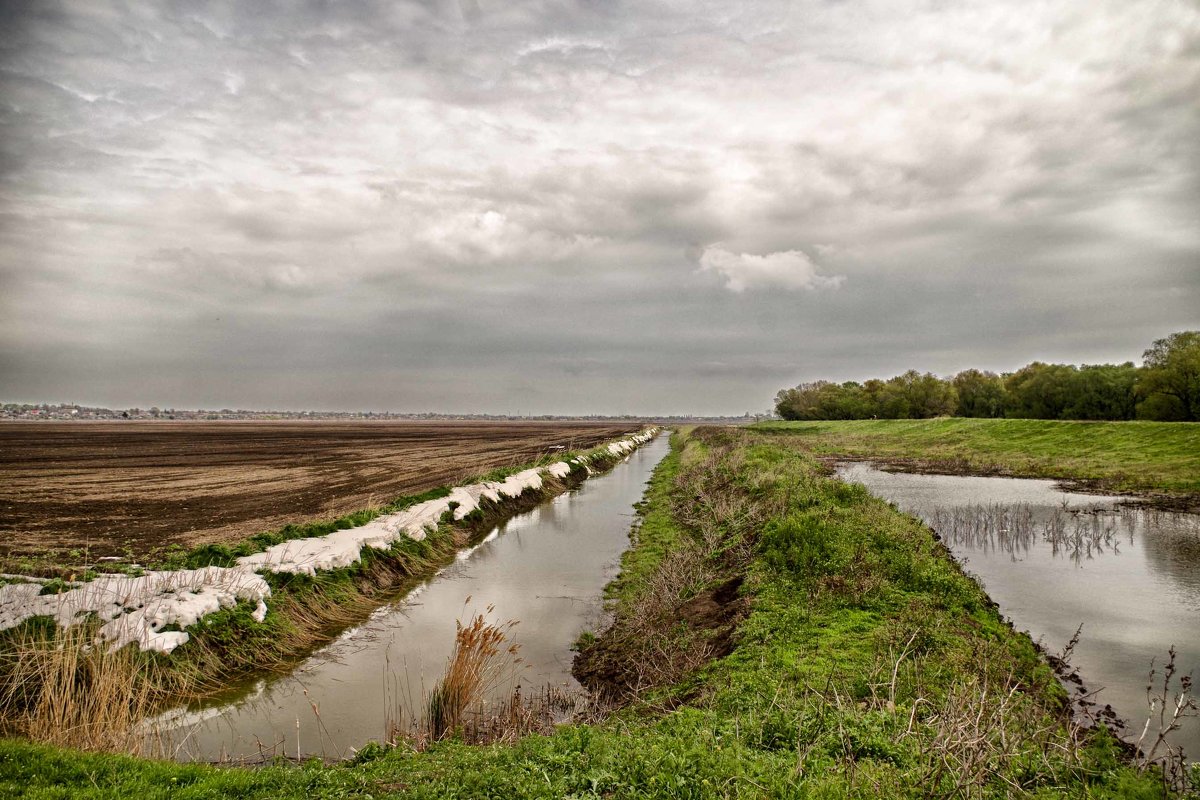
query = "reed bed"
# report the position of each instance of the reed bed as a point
(469, 701)
(61, 688)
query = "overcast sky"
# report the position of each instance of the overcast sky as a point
(476, 205)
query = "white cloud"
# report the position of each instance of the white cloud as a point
(787, 269)
(234, 82)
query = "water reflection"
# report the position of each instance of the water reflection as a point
(1053, 560)
(1013, 529)
(546, 568)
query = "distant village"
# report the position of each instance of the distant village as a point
(74, 412)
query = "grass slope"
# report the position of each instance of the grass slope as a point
(867, 665)
(1144, 457)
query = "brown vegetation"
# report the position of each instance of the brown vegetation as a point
(688, 609)
(61, 689)
(462, 703)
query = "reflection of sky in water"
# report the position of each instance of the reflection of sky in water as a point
(546, 568)
(1053, 560)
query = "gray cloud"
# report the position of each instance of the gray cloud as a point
(544, 206)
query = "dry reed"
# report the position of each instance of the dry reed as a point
(483, 660)
(61, 688)
(479, 663)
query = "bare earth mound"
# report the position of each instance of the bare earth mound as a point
(130, 489)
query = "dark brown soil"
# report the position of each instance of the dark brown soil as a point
(131, 489)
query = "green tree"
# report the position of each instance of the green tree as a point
(1102, 391)
(916, 396)
(1039, 391)
(1170, 380)
(824, 400)
(980, 394)
(801, 402)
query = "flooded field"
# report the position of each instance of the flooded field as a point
(546, 569)
(1056, 560)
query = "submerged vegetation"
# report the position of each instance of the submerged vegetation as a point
(776, 633)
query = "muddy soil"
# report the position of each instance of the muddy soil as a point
(72, 491)
(613, 667)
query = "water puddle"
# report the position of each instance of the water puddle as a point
(546, 568)
(1054, 560)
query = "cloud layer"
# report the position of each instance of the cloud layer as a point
(584, 207)
(790, 269)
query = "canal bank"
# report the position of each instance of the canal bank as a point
(866, 664)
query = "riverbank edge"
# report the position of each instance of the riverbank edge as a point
(824, 441)
(598, 662)
(1186, 503)
(305, 612)
(739, 733)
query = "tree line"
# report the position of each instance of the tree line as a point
(1165, 387)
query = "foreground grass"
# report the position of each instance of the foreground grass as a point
(1143, 457)
(865, 665)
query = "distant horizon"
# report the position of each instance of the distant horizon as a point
(4, 404)
(767, 401)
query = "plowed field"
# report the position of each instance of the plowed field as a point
(81, 491)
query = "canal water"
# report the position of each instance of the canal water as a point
(1055, 560)
(546, 569)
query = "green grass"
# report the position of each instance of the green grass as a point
(1118, 456)
(655, 532)
(844, 594)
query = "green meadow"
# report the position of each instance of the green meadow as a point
(1140, 457)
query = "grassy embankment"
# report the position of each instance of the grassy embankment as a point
(1152, 458)
(46, 687)
(777, 633)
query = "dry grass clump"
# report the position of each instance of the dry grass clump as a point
(58, 686)
(685, 611)
(478, 664)
(522, 715)
(484, 659)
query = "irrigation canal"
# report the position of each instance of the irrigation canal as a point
(546, 568)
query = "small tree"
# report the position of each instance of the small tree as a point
(980, 394)
(1170, 381)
